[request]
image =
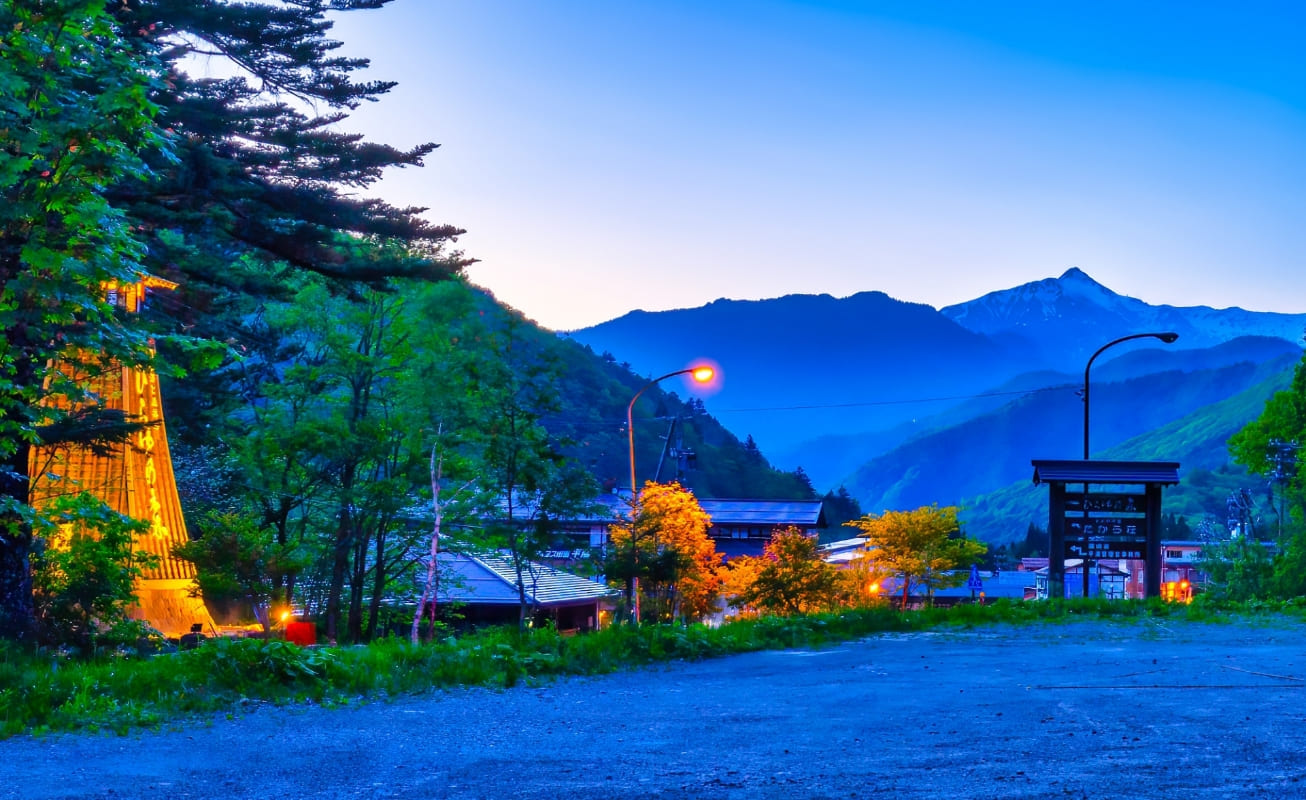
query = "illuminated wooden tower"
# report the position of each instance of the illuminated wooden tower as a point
(135, 479)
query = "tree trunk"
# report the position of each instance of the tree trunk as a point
(431, 589)
(357, 583)
(339, 566)
(378, 585)
(17, 615)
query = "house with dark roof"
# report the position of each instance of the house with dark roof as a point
(743, 527)
(484, 589)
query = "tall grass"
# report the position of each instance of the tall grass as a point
(45, 692)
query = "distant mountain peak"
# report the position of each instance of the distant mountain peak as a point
(1036, 302)
(1077, 274)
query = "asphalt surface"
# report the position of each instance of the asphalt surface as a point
(1094, 709)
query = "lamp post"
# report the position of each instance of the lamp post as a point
(1168, 337)
(701, 373)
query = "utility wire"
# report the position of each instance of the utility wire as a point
(892, 402)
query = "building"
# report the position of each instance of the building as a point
(134, 478)
(484, 590)
(743, 527)
(1105, 579)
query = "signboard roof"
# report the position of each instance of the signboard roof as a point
(1105, 472)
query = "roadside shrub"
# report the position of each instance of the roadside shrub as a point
(246, 664)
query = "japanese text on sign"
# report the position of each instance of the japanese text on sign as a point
(1079, 502)
(1113, 526)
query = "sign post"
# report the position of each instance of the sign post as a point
(974, 583)
(1113, 524)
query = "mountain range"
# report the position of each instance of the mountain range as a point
(905, 404)
(801, 367)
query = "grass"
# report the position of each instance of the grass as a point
(45, 692)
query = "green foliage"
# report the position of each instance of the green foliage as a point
(84, 573)
(75, 119)
(840, 507)
(248, 665)
(41, 693)
(1238, 570)
(238, 560)
(792, 577)
(923, 547)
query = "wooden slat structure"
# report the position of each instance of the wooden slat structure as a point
(135, 479)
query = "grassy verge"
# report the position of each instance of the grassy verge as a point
(41, 693)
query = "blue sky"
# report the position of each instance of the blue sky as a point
(606, 155)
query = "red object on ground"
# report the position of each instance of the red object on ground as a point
(303, 633)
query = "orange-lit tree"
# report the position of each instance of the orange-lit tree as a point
(667, 546)
(922, 547)
(790, 576)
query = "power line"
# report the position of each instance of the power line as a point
(892, 402)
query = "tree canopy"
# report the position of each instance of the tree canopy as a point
(923, 546)
(790, 577)
(114, 161)
(667, 548)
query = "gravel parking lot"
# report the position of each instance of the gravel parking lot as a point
(1147, 709)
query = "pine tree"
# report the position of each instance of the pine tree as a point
(74, 115)
(115, 161)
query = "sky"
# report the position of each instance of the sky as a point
(611, 155)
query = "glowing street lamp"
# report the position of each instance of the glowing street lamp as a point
(702, 373)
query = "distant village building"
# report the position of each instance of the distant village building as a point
(1105, 579)
(483, 590)
(738, 526)
(743, 527)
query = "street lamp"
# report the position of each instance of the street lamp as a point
(1167, 337)
(701, 373)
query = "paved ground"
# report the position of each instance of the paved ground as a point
(1097, 710)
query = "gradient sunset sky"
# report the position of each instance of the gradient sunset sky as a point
(606, 155)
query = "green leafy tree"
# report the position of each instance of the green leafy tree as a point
(840, 507)
(924, 547)
(1238, 569)
(75, 119)
(238, 561)
(84, 573)
(1284, 420)
(792, 578)
(117, 161)
(525, 480)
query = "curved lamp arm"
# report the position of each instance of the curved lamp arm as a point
(701, 373)
(1167, 337)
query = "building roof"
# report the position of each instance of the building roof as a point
(490, 579)
(1073, 565)
(1165, 473)
(843, 551)
(802, 513)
